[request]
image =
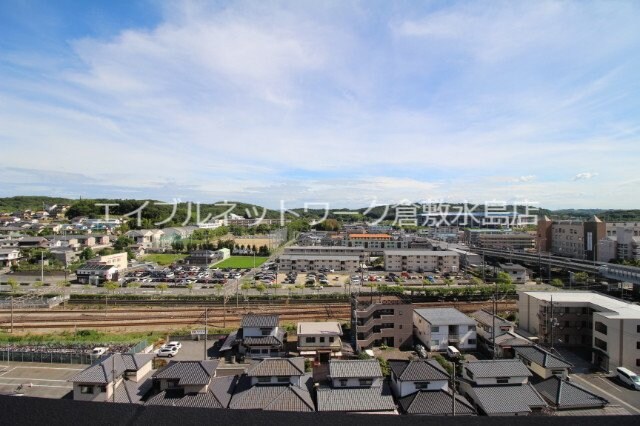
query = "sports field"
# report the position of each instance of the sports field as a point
(163, 259)
(240, 262)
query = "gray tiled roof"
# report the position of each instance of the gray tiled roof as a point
(277, 367)
(218, 395)
(354, 368)
(497, 368)
(445, 316)
(276, 340)
(512, 339)
(541, 357)
(565, 395)
(423, 369)
(486, 318)
(255, 320)
(132, 392)
(103, 371)
(230, 341)
(435, 403)
(188, 372)
(508, 399)
(355, 399)
(271, 397)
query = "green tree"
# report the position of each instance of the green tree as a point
(190, 287)
(261, 288)
(111, 286)
(449, 281)
(580, 277)
(300, 287)
(13, 285)
(218, 289)
(38, 284)
(87, 254)
(557, 282)
(133, 285)
(62, 286)
(275, 288)
(503, 278)
(245, 287)
(476, 281)
(162, 287)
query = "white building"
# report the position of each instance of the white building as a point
(518, 273)
(609, 326)
(421, 260)
(320, 340)
(438, 328)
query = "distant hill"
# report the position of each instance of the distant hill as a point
(11, 204)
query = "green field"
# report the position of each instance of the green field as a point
(240, 262)
(163, 258)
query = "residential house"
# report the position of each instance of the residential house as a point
(356, 386)
(275, 384)
(320, 340)
(147, 238)
(438, 328)
(564, 395)
(541, 362)
(485, 321)
(118, 378)
(32, 242)
(381, 319)
(518, 273)
(259, 336)
(500, 387)
(9, 257)
(421, 387)
(192, 384)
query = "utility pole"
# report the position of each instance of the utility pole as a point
(493, 329)
(11, 330)
(42, 266)
(453, 389)
(483, 278)
(206, 322)
(113, 376)
(552, 324)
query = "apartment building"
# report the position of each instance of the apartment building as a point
(571, 238)
(118, 260)
(381, 319)
(609, 326)
(437, 328)
(375, 243)
(297, 258)
(421, 260)
(507, 241)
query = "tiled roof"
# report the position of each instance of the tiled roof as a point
(497, 368)
(508, 399)
(103, 372)
(486, 318)
(276, 340)
(272, 397)
(277, 367)
(418, 370)
(218, 395)
(512, 339)
(355, 399)
(343, 369)
(445, 316)
(131, 392)
(188, 372)
(564, 394)
(230, 341)
(541, 357)
(435, 403)
(255, 320)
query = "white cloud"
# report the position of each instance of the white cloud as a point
(585, 176)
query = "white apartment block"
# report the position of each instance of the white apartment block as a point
(421, 260)
(609, 326)
(438, 328)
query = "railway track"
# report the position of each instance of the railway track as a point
(219, 316)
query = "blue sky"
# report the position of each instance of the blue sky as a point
(340, 102)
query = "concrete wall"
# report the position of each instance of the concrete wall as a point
(403, 388)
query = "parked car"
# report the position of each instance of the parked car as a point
(98, 352)
(453, 352)
(174, 344)
(628, 377)
(170, 352)
(421, 351)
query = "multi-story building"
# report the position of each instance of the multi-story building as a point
(320, 340)
(507, 241)
(421, 260)
(375, 243)
(9, 257)
(571, 238)
(118, 260)
(484, 329)
(518, 273)
(609, 327)
(297, 258)
(381, 319)
(438, 328)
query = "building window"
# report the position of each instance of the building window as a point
(343, 383)
(422, 385)
(265, 331)
(600, 327)
(471, 328)
(264, 379)
(102, 388)
(557, 372)
(435, 343)
(435, 329)
(600, 344)
(638, 328)
(283, 379)
(321, 339)
(471, 341)
(86, 389)
(365, 382)
(502, 380)
(310, 339)
(332, 339)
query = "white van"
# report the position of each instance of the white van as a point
(453, 352)
(628, 377)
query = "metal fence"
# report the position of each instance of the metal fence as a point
(139, 347)
(81, 358)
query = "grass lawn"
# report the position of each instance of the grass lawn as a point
(163, 259)
(240, 262)
(81, 336)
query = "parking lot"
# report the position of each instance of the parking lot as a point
(35, 379)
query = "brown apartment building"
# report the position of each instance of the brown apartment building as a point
(381, 319)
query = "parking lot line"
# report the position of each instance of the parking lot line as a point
(36, 386)
(8, 371)
(609, 384)
(32, 379)
(52, 368)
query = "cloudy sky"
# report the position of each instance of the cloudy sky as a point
(306, 101)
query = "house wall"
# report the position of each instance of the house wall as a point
(256, 331)
(622, 339)
(318, 345)
(481, 381)
(294, 380)
(355, 382)
(97, 395)
(426, 334)
(403, 388)
(143, 371)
